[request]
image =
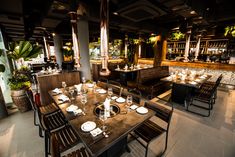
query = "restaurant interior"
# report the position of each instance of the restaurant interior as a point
(117, 78)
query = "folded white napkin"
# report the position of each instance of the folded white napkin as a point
(133, 107)
(71, 108)
(78, 87)
(96, 132)
(78, 111)
(107, 107)
(63, 98)
(57, 91)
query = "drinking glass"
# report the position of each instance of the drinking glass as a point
(83, 80)
(110, 92)
(129, 101)
(64, 85)
(71, 91)
(83, 101)
(103, 117)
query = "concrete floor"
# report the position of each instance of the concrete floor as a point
(190, 135)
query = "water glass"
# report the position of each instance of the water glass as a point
(129, 101)
(64, 85)
(83, 80)
(103, 118)
(84, 101)
(110, 92)
(71, 91)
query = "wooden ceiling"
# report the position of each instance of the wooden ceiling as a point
(25, 19)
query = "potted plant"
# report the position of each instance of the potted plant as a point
(19, 82)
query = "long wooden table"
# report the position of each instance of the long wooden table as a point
(120, 125)
(181, 88)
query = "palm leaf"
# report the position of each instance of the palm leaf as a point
(24, 48)
(36, 50)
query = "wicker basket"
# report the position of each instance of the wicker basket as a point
(21, 100)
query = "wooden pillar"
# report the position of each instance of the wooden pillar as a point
(104, 40)
(157, 49)
(126, 45)
(164, 49)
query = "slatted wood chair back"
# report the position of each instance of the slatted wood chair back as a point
(54, 121)
(64, 139)
(116, 86)
(160, 111)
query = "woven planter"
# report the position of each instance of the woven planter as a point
(21, 100)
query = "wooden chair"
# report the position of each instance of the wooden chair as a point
(149, 131)
(116, 86)
(56, 146)
(51, 123)
(136, 95)
(102, 83)
(40, 111)
(206, 95)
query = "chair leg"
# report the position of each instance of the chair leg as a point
(146, 150)
(46, 144)
(40, 131)
(34, 119)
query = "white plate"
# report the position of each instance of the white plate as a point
(88, 126)
(102, 91)
(193, 82)
(142, 110)
(71, 108)
(90, 85)
(114, 97)
(120, 100)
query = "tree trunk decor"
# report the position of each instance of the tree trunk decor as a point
(73, 17)
(104, 37)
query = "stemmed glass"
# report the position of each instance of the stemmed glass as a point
(71, 91)
(103, 117)
(83, 80)
(83, 101)
(64, 85)
(129, 101)
(110, 92)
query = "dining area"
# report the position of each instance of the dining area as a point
(102, 117)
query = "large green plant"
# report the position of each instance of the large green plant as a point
(19, 81)
(229, 31)
(23, 49)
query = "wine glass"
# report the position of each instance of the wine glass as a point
(71, 91)
(83, 80)
(83, 101)
(110, 92)
(129, 101)
(64, 85)
(103, 117)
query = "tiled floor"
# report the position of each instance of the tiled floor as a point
(190, 135)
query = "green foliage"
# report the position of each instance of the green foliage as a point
(23, 49)
(19, 81)
(67, 51)
(229, 31)
(177, 35)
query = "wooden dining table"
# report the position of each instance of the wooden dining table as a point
(119, 125)
(181, 88)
